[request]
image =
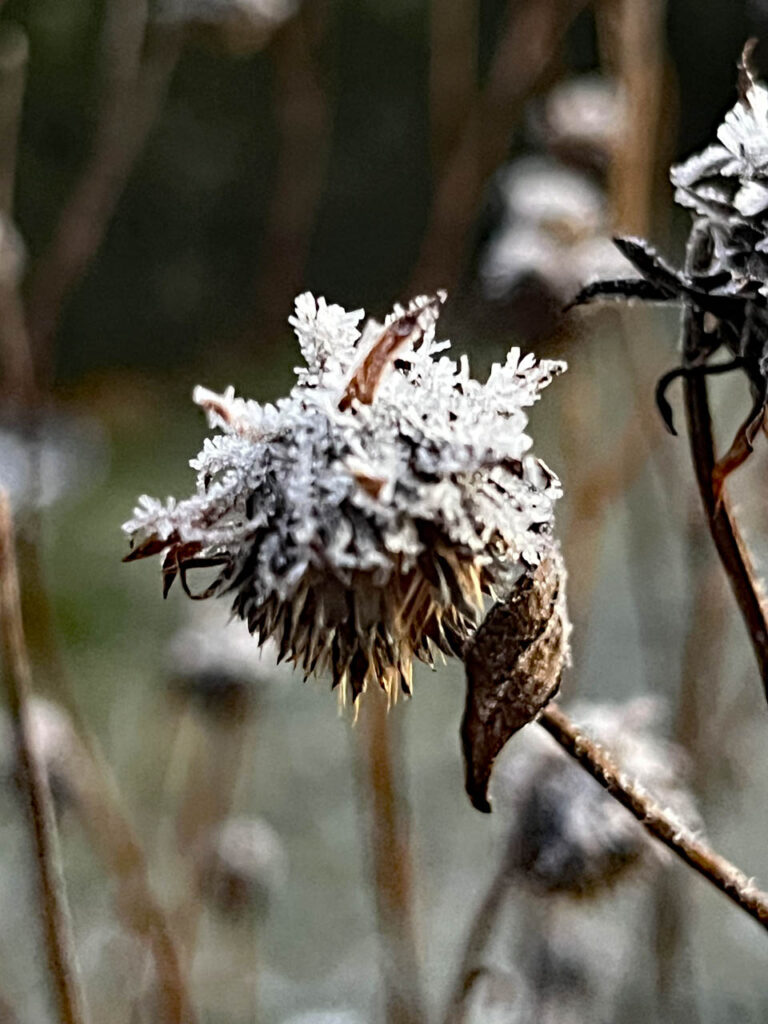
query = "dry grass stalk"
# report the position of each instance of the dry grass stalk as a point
(54, 912)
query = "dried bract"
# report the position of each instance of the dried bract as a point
(514, 664)
(360, 520)
(726, 276)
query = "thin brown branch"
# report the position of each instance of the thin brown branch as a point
(206, 800)
(14, 54)
(113, 838)
(635, 38)
(657, 820)
(453, 81)
(303, 115)
(478, 939)
(524, 58)
(141, 71)
(15, 352)
(390, 855)
(101, 812)
(723, 526)
(59, 941)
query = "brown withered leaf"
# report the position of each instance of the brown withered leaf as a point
(514, 663)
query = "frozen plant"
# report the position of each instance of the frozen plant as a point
(361, 520)
(724, 280)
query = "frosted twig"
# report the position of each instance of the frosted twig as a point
(659, 822)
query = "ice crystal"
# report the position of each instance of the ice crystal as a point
(360, 519)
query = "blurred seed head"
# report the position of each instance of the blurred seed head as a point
(552, 236)
(580, 120)
(57, 745)
(238, 27)
(214, 663)
(361, 520)
(41, 462)
(568, 835)
(244, 867)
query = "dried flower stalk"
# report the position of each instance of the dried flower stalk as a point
(54, 912)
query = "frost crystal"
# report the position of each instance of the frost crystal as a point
(360, 520)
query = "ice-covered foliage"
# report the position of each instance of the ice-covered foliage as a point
(360, 519)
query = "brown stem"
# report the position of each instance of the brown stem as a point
(135, 92)
(637, 28)
(390, 855)
(303, 116)
(101, 813)
(659, 822)
(453, 45)
(209, 790)
(15, 352)
(523, 60)
(14, 54)
(478, 939)
(113, 838)
(54, 911)
(723, 526)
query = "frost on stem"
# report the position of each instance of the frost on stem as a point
(726, 189)
(361, 520)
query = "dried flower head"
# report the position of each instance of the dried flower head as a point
(568, 834)
(726, 188)
(581, 120)
(552, 234)
(237, 26)
(360, 520)
(218, 666)
(243, 866)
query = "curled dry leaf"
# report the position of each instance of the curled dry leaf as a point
(514, 663)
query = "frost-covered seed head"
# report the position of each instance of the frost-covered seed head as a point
(360, 520)
(727, 186)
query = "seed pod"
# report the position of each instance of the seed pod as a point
(514, 663)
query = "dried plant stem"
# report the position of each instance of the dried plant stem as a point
(140, 71)
(723, 526)
(208, 794)
(636, 31)
(303, 116)
(54, 911)
(710, 865)
(14, 54)
(390, 856)
(15, 351)
(113, 838)
(722, 523)
(101, 813)
(523, 59)
(478, 939)
(453, 46)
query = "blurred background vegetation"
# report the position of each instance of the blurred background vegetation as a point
(181, 173)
